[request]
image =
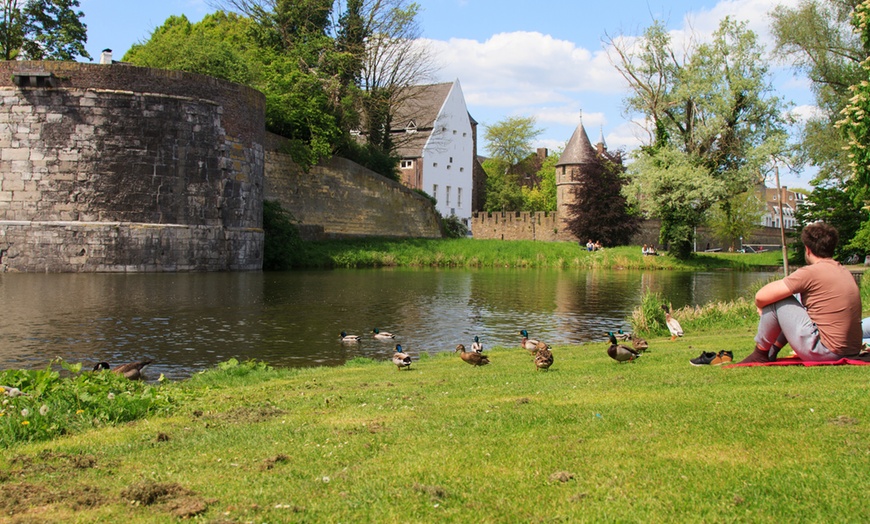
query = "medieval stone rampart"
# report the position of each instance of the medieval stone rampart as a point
(340, 199)
(547, 227)
(122, 168)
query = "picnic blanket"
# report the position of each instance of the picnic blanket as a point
(794, 360)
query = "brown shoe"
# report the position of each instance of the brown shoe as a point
(723, 357)
(758, 355)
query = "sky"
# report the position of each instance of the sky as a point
(545, 59)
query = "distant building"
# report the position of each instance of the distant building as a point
(436, 139)
(791, 201)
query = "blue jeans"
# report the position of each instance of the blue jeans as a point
(787, 321)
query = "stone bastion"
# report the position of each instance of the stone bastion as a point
(119, 168)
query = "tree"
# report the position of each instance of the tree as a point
(502, 191)
(818, 38)
(510, 140)
(542, 196)
(832, 204)
(713, 124)
(599, 210)
(42, 30)
(746, 212)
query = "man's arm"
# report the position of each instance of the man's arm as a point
(772, 292)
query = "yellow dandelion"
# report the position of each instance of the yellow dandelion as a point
(25, 422)
(79, 411)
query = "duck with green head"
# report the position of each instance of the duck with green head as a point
(401, 359)
(527, 343)
(382, 335)
(619, 352)
(350, 339)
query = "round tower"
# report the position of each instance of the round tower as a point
(578, 160)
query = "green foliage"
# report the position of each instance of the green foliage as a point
(282, 243)
(510, 140)
(503, 192)
(53, 405)
(834, 205)
(736, 217)
(371, 157)
(600, 211)
(453, 227)
(42, 30)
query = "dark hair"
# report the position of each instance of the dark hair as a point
(821, 239)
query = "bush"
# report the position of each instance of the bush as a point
(282, 243)
(453, 227)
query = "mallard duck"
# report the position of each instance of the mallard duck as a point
(475, 359)
(619, 352)
(544, 358)
(9, 391)
(622, 335)
(349, 338)
(476, 346)
(401, 359)
(638, 343)
(133, 370)
(382, 335)
(673, 326)
(529, 343)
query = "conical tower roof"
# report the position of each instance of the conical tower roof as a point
(579, 149)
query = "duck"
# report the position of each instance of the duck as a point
(475, 359)
(529, 343)
(401, 359)
(544, 358)
(638, 343)
(382, 335)
(349, 338)
(619, 352)
(673, 325)
(10, 391)
(622, 335)
(476, 346)
(132, 370)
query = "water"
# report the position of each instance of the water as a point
(190, 321)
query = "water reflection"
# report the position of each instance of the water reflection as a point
(188, 322)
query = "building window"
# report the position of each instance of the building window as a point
(459, 197)
(434, 164)
(461, 169)
(447, 202)
(435, 190)
(406, 164)
(451, 160)
(454, 131)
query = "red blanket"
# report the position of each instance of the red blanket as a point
(794, 360)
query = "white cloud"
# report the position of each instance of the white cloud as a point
(804, 113)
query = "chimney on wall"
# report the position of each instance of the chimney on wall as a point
(106, 56)
(542, 153)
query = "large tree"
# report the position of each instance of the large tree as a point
(817, 38)
(714, 124)
(42, 30)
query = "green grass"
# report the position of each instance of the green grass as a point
(589, 441)
(501, 253)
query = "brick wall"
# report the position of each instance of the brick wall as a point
(340, 198)
(166, 167)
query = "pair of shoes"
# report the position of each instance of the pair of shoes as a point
(723, 357)
(703, 359)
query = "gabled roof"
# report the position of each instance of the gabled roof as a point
(421, 104)
(578, 150)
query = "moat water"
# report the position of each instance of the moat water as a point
(191, 321)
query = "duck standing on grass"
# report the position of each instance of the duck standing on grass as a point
(673, 326)
(133, 370)
(401, 359)
(527, 343)
(476, 346)
(619, 352)
(622, 335)
(350, 339)
(475, 359)
(639, 344)
(382, 335)
(543, 357)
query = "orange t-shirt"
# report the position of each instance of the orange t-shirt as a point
(833, 302)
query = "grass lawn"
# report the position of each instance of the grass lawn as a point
(657, 440)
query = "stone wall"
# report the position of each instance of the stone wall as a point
(340, 198)
(547, 227)
(122, 168)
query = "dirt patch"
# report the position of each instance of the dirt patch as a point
(561, 476)
(435, 492)
(271, 462)
(843, 420)
(170, 497)
(18, 498)
(248, 415)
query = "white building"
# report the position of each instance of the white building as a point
(436, 140)
(790, 202)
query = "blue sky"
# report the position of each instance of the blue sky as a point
(514, 57)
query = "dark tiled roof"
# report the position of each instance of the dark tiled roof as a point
(418, 104)
(579, 149)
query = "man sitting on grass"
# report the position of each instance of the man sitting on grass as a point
(825, 322)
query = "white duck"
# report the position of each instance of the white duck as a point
(673, 325)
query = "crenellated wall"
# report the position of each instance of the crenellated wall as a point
(122, 168)
(340, 198)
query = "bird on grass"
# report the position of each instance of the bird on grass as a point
(543, 357)
(401, 359)
(10, 391)
(620, 353)
(527, 343)
(132, 370)
(638, 343)
(382, 335)
(349, 338)
(673, 325)
(475, 359)
(476, 346)
(622, 335)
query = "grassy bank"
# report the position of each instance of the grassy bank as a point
(501, 253)
(589, 441)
